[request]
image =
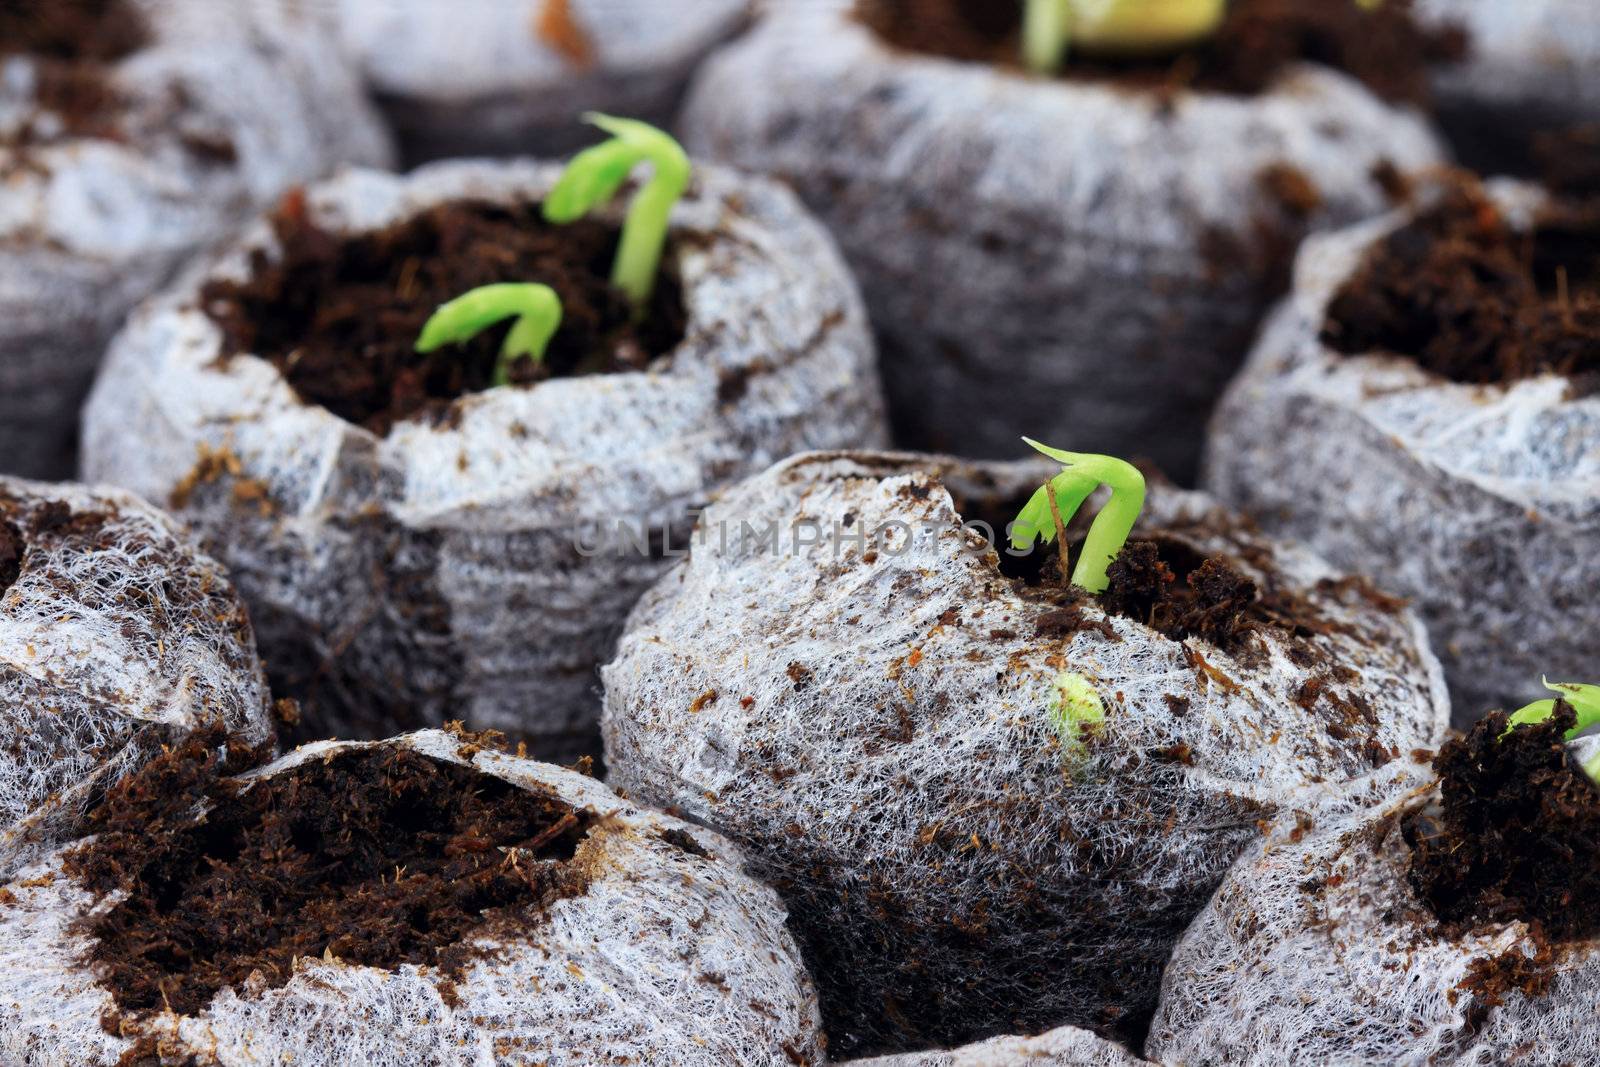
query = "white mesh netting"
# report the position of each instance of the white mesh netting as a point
(117, 636)
(669, 956)
(1528, 64)
(502, 79)
(453, 571)
(1063, 1047)
(874, 726)
(1482, 503)
(92, 225)
(1105, 242)
(1315, 950)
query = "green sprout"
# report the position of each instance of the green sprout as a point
(1076, 711)
(594, 176)
(1585, 700)
(1113, 26)
(1052, 506)
(536, 308)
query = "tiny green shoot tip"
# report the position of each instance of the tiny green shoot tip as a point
(536, 308)
(1076, 710)
(595, 175)
(1053, 505)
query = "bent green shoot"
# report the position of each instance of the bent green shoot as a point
(1082, 474)
(536, 308)
(1118, 26)
(1585, 700)
(596, 174)
(1076, 711)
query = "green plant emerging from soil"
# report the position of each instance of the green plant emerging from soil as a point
(1584, 700)
(596, 174)
(1131, 26)
(1076, 711)
(536, 308)
(1046, 514)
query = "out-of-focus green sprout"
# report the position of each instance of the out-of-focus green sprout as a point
(594, 176)
(536, 308)
(1076, 711)
(1119, 26)
(1052, 506)
(1585, 700)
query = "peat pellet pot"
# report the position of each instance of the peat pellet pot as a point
(992, 801)
(416, 546)
(501, 79)
(1085, 256)
(133, 132)
(1414, 919)
(1422, 409)
(424, 900)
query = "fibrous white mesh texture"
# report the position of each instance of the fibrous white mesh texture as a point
(875, 725)
(1529, 63)
(668, 957)
(456, 571)
(89, 226)
(1482, 503)
(1066, 1046)
(1315, 950)
(482, 79)
(1105, 243)
(118, 636)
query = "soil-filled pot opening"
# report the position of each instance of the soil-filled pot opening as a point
(377, 856)
(1472, 299)
(339, 315)
(72, 42)
(1258, 39)
(1516, 833)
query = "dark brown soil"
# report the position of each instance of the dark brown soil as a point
(1384, 48)
(1569, 161)
(339, 316)
(1516, 835)
(378, 857)
(74, 42)
(1472, 300)
(12, 547)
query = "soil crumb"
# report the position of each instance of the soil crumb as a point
(1516, 835)
(339, 315)
(72, 43)
(1470, 299)
(1384, 48)
(12, 549)
(376, 857)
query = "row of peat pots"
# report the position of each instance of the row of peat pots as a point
(601, 467)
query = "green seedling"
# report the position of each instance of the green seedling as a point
(596, 174)
(1046, 514)
(1585, 700)
(1076, 712)
(536, 308)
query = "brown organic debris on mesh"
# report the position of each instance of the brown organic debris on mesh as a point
(1516, 833)
(339, 315)
(378, 857)
(72, 42)
(1469, 298)
(1256, 42)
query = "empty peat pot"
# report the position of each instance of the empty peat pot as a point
(991, 801)
(416, 546)
(117, 637)
(1087, 256)
(422, 901)
(1066, 1046)
(1423, 409)
(1407, 921)
(499, 79)
(133, 132)
(1524, 68)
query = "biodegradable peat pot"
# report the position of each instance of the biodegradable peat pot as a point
(117, 637)
(1064, 1047)
(1479, 498)
(1527, 67)
(461, 558)
(134, 137)
(1083, 257)
(423, 900)
(879, 724)
(498, 79)
(1326, 945)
